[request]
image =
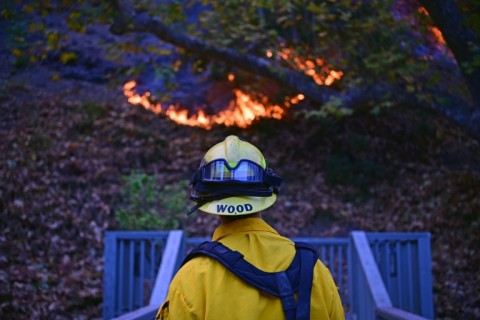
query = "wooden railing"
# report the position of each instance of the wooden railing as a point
(369, 296)
(384, 276)
(138, 269)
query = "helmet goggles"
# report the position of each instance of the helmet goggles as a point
(220, 170)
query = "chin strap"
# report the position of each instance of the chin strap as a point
(195, 208)
(205, 199)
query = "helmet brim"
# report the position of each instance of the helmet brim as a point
(238, 205)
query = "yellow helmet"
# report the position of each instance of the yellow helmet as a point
(233, 179)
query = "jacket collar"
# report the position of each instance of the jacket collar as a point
(242, 225)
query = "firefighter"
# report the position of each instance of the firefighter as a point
(248, 271)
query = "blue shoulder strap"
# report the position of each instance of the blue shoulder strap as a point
(297, 278)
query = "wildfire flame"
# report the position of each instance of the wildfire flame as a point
(325, 76)
(436, 33)
(243, 110)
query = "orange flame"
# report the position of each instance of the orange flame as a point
(437, 34)
(326, 76)
(241, 112)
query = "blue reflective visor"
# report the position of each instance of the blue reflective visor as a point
(242, 171)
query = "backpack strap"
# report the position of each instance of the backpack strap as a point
(297, 278)
(308, 259)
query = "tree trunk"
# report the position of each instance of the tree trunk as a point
(460, 39)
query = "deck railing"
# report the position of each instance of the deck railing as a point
(404, 268)
(379, 275)
(404, 262)
(138, 269)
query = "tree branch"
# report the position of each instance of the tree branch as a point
(289, 79)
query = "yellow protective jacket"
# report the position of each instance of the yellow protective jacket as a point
(205, 289)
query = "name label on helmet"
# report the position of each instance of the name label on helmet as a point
(221, 208)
